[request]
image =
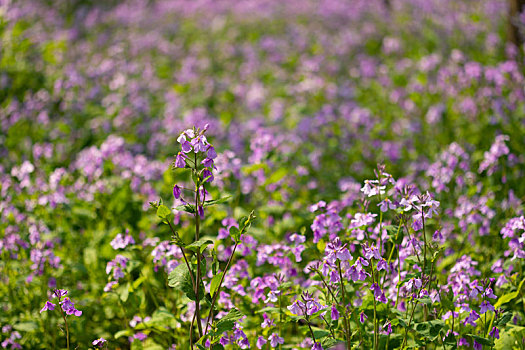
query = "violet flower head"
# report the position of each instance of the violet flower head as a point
(176, 192)
(275, 340)
(99, 342)
(48, 306)
(69, 308)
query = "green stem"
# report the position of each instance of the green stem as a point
(65, 322)
(214, 300)
(346, 323)
(197, 282)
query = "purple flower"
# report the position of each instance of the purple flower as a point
(48, 306)
(381, 265)
(211, 153)
(59, 293)
(362, 317)
(486, 306)
(378, 293)
(471, 319)
(207, 174)
(386, 204)
(99, 342)
(295, 308)
(260, 342)
(180, 160)
(207, 162)
(176, 192)
(268, 322)
(275, 340)
(388, 327)
(121, 242)
(317, 346)
(371, 252)
(494, 333)
(477, 346)
(334, 313)
(69, 308)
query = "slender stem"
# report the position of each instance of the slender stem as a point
(191, 331)
(375, 343)
(329, 327)
(219, 288)
(310, 327)
(326, 285)
(185, 260)
(346, 324)
(425, 242)
(197, 287)
(409, 323)
(65, 321)
(281, 315)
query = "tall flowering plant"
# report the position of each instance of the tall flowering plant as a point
(197, 156)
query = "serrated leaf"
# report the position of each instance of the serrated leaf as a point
(123, 333)
(320, 333)
(216, 201)
(26, 326)
(430, 329)
(164, 213)
(226, 323)
(123, 292)
(504, 319)
(268, 309)
(188, 208)
(199, 245)
(180, 279)
(395, 234)
(235, 233)
(214, 285)
(509, 296)
(481, 340)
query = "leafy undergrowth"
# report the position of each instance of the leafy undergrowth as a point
(261, 174)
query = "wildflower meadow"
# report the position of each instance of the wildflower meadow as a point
(262, 174)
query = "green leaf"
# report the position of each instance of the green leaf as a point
(235, 234)
(26, 326)
(320, 333)
(188, 208)
(165, 214)
(268, 309)
(226, 323)
(180, 279)
(123, 333)
(430, 329)
(215, 283)
(411, 260)
(276, 176)
(395, 234)
(123, 292)
(199, 245)
(481, 340)
(504, 319)
(216, 201)
(509, 296)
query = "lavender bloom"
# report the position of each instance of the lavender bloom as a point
(260, 342)
(69, 308)
(176, 192)
(121, 242)
(494, 333)
(99, 342)
(180, 160)
(48, 306)
(275, 340)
